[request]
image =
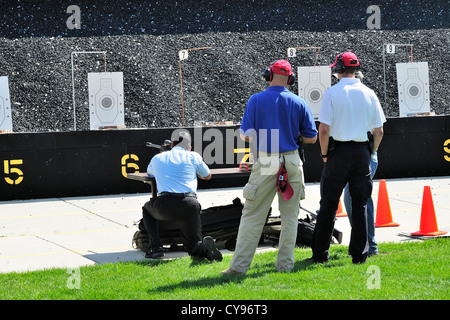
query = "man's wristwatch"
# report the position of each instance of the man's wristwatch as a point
(324, 155)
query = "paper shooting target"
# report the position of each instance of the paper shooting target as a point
(106, 108)
(312, 84)
(5, 105)
(413, 88)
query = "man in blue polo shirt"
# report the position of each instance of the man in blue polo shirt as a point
(274, 120)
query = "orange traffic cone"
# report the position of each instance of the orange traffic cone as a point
(384, 215)
(428, 223)
(340, 212)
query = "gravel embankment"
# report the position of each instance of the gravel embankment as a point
(142, 39)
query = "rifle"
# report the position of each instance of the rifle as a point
(166, 146)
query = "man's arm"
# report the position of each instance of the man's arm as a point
(208, 177)
(202, 169)
(308, 126)
(377, 136)
(246, 138)
(309, 140)
(324, 135)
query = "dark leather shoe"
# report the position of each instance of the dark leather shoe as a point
(155, 254)
(359, 261)
(212, 253)
(314, 260)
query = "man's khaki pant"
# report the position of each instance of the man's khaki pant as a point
(259, 193)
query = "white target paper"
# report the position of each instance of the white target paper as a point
(413, 88)
(5, 105)
(312, 84)
(106, 107)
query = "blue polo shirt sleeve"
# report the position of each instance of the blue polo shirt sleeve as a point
(248, 120)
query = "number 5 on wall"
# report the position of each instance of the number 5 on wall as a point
(8, 170)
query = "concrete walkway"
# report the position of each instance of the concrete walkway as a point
(73, 232)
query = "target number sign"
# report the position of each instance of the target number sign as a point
(292, 52)
(183, 54)
(390, 48)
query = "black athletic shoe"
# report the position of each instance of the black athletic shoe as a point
(212, 253)
(314, 260)
(359, 261)
(155, 254)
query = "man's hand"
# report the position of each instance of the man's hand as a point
(246, 138)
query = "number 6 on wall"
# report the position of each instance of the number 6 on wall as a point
(126, 164)
(8, 170)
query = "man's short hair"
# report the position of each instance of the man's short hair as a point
(181, 138)
(351, 70)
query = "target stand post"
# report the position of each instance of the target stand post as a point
(73, 80)
(183, 55)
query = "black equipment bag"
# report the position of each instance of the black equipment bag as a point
(220, 222)
(305, 230)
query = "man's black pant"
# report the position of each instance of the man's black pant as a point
(184, 212)
(349, 162)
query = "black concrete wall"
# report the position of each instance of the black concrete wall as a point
(61, 164)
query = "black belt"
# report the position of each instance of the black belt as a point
(278, 153)
(175, 194)
(351, 142)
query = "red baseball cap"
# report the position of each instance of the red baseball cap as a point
(348, 58)
(282, 67)
(283, 185)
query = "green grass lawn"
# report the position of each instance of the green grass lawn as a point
(410, 270)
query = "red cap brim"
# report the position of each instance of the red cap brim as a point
(335, 61)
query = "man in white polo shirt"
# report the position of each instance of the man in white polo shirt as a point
(350, 112)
